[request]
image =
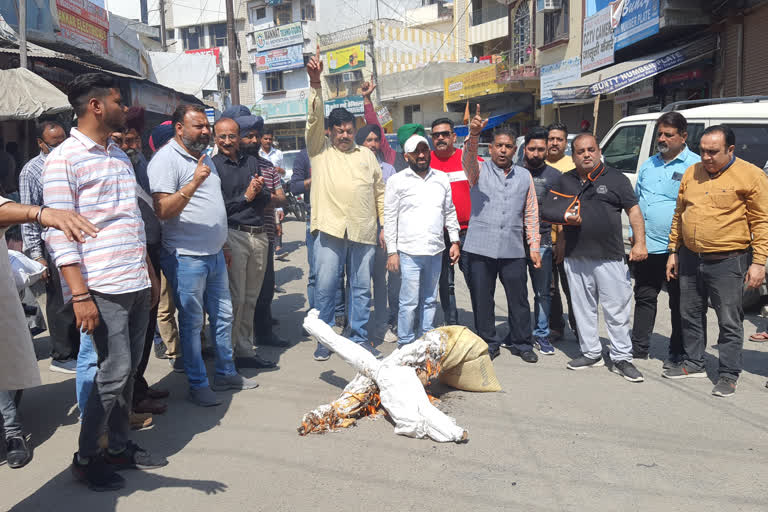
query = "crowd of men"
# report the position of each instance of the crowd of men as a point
(129, 241)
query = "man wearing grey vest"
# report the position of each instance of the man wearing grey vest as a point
(504, 210)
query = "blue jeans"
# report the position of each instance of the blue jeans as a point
(310, 242)
(330, 254)
(87, 364)
(541, 282)
(419, 277)
(197, 281)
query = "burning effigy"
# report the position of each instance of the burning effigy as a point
(396, 385)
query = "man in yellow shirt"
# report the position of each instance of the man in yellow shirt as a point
(347, 199)
(557, 141)
(722, 212)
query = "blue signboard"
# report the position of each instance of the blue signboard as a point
(639, 19)
(595, 6)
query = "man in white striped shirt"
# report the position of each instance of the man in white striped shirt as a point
(417, 207)
(108, 278)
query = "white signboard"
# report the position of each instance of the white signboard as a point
(557, 74)
(276, 37)
(597, 41)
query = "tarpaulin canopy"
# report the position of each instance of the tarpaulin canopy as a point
(27, 96)
(493, 122)
(624, 74)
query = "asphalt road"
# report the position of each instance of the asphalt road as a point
(553, 439)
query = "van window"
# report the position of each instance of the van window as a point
(694, 136)
(622, 151)
(751, 142)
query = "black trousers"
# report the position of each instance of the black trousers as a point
(560, 280)
(140, 385)
(650, 275)
(447, 281)
(65, 339)
(262, 315)
(513, 274)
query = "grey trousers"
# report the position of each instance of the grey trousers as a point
(9, 407)
(119, 343)
(605, 282)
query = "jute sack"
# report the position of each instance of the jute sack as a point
(466, 364)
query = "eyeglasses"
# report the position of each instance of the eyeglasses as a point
(437, 135)
(227, 136)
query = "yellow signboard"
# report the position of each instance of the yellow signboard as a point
(473, 84)
(346, 59)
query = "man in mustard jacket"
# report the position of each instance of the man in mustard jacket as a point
(721, 213)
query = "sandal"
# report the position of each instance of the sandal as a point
(759, 336)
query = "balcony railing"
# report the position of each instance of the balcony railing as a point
(487, 14)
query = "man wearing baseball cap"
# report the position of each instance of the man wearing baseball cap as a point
(417, 205)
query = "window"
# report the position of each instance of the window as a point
(169, 35)
(694, 136)
(191, 37)
(260, 13)
(408, 112)
(307, 10)
(751, 142)
(283, 13)
(219, 34)
(556, 25)
(521, 36)
(274, 81)
(623, 149)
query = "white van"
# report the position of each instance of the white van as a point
(632, 140)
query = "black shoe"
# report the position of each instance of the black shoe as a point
(160, 351)
(253, 362)
(639, 355)
(273, 340)
(627, 370)
(97, 474)
(493, 351)
(18, 452)
(177, 365)
(529, 356)
(134, 457)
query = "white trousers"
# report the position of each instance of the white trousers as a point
(605, 282)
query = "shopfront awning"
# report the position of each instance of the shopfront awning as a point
(624, 74)
(27, 96)
(493, 122)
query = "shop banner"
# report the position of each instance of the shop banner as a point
(346, 59)
(284, 109)
(84, 23)
(558, 74)
(622, 80)
(597, 41)
(638, 91)
(639, 19)
(208, 51)
(276, 37)
(279, 59)
(474, 84)
(354, 104)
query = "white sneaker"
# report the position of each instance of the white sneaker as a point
(68, 366)
(389, 336)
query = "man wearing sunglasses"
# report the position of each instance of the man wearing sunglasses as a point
(65, 340)
(447, 158)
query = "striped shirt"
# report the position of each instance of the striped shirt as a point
(100, 185)
(31, 192)
(273, 184)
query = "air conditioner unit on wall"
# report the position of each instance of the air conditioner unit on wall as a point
(549, 5)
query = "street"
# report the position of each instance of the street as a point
(552, 440)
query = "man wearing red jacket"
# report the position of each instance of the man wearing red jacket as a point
(447, 158)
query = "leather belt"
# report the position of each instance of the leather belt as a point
(718, 256)
(254, 230)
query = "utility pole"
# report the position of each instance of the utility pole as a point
(23, 34)
(163, 41)
(234, 62)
